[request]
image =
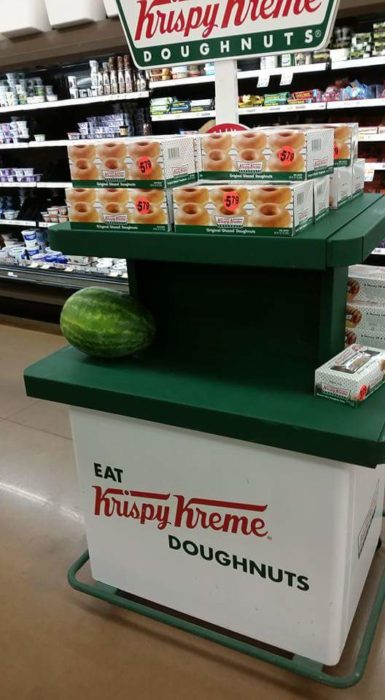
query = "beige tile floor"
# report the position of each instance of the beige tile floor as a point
(56, 644)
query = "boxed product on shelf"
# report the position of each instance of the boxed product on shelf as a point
(341, 186)
(150, 162)
(271, 153)
(358, 176)
(375, 339)
(345, 141)
(352, 375)
(120, 209)
(366, 283)
(244, 208)
(365, 315)
(321, 197)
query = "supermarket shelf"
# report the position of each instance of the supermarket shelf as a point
(356, 104)
(311, 68)
(156, 84)
(57, 278)
(372, 137)
(346, 237)
(48, 144)
(271, 403)
(16, 222)
(45, 224)
(185, 115)
(242, 75)
(40, 185)
(358, 63)
(319, 106)
(13, 146)
(54, 185)
(374, 166)
(75, 103)
(18, 184)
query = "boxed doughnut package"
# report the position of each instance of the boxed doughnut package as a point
(120, 209)
(361, 315)
(345, 142)
(352, 375)
(366, 283)
(375, 339)
(272, 153)
(341, 182)
(358, 176)
(244, 208)
(150, 162)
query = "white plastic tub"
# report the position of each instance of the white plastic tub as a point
(65, 14)
(111, 8)
(24, 17)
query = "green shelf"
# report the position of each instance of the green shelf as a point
(344, 237)
(272, 404)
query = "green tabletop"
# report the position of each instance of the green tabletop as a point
(273, 405)
(343, 237)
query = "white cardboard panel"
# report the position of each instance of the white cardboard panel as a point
(62, 14)
(111, 8)
(24, 17)
(158, 526)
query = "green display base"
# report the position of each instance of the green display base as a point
(297, 664)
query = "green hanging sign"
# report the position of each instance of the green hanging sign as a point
(172, 32)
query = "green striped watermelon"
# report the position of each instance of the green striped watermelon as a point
(105, 323)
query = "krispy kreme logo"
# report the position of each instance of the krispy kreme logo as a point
(165, 31)
(175, 510)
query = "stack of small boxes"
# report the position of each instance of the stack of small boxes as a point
(272, 181)
(123, 184)
(365, 310)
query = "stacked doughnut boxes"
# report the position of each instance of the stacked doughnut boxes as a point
(365, 309)
(125, 184)
(271, 181)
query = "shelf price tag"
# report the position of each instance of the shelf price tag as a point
(286, 77)
(369, 173)
(286, 155)
(263, 79)
(145, 165)
(231, 200)
(142, 206)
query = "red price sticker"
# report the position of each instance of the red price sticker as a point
(145, 165)
(231, 200)
(336, 151)
(286, 155)
(142, 206)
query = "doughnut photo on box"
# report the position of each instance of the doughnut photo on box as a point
(243, 208)
(272, 153)
(114, 208)
(152, 162)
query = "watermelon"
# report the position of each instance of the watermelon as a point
(105, 323)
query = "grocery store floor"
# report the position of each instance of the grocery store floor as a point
(56, 644)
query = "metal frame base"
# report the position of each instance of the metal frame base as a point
(298, 664)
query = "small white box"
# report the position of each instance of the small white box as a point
(358, 176)
(352, 375)
(65, 14)
(111, 8)
(366, 283)
(321, 197)
(23, 17)
(341, 187)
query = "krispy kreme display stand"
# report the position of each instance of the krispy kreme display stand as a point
(213, 482)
